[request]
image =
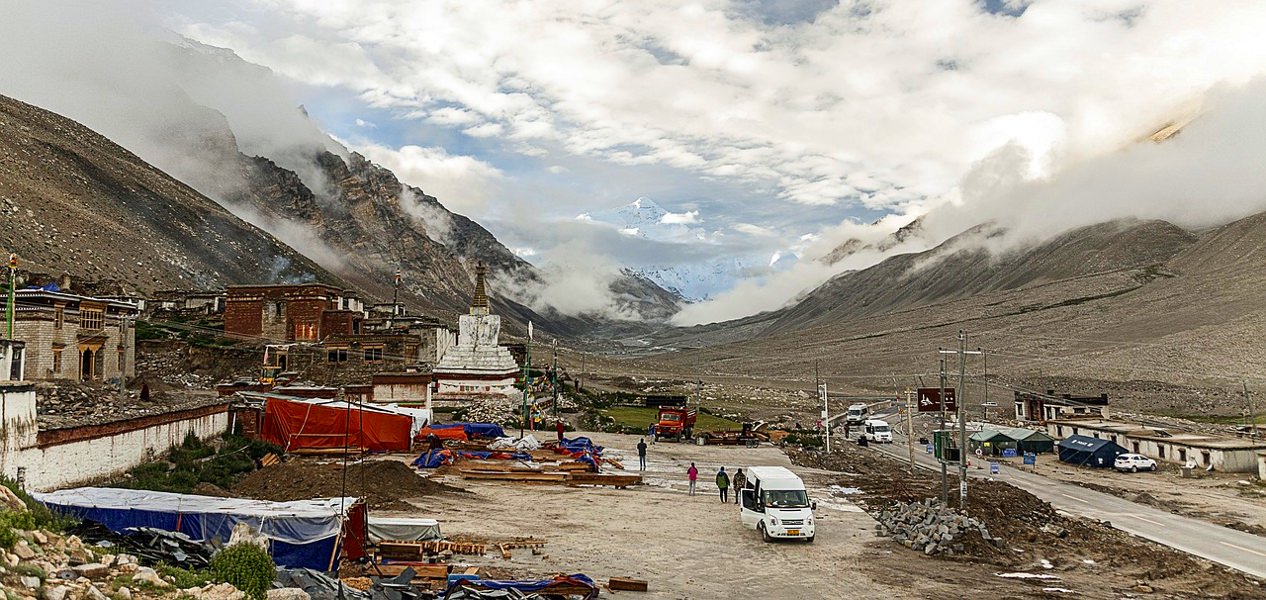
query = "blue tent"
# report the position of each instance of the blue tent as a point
(303, 533)
(1089, 451)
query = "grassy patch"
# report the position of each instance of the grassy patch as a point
(29, 570)
(639, 417)
(41, 516)
(185, 578)
(195, 461)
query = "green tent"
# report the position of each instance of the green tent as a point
(1029, 440)
(991, 442)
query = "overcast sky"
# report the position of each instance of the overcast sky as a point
(771, 125)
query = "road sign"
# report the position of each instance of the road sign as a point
(930, 400)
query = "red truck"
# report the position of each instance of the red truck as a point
(675, 422)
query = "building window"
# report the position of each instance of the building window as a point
(57, 361)
(1161, 451)
(59, 317)
(1135, 447)
(336, 355)
(1059, 431)
(1182, 455)
(373, 354)
(91, 319)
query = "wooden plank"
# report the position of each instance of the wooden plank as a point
(625, 584)
(421, 570)
(604, 479)
(533, 477)
(505, 552)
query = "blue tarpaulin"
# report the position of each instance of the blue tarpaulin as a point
(303, 534)
(434, 459)
(543, 585)
(475, 430)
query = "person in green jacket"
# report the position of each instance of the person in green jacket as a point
(723, 484)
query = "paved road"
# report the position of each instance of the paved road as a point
(1235, 549)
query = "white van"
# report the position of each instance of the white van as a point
(857, 413)
(877, 430)
(775, 503)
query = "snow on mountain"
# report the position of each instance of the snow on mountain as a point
(695, 280)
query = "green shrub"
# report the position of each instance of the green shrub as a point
(247, 566)
(184, 578)
(11, 522)
(29, 570)
(44, 518)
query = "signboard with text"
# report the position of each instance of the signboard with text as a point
(930, 400)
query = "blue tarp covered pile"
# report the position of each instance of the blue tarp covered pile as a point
(582, 449)
(573, 585)
(434, 459)
(303, 533)
(475, 430)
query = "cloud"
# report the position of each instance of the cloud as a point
(755, 230)
(689, 217)
(464, 184)
(575, 280)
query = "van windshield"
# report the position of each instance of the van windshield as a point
(881, 429)
(786, 498)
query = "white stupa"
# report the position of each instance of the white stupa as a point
(477, 364)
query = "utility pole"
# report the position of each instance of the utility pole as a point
(1252, 414)
(910, 426)
(9, 300)
(984, 413)
(527, 381)
(960, 413)
(123, 322)
(940, 456)
(826, 417)
(554, 370)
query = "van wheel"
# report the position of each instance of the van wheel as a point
(1134, 469)
(764, 535)
(809, 540)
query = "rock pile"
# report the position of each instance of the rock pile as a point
(930, 527)
(55, 567)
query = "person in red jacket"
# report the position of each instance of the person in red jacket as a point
(693, 474)
(558, 426)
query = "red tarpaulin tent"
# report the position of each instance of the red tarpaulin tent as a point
(296, 425)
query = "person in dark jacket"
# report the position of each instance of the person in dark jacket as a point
(641, 455)
(739, 481)
(723, 484)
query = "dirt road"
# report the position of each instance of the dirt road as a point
(695, 547)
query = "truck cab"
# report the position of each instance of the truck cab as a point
(877, 430)
(775, 503)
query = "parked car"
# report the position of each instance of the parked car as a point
(1134, 463)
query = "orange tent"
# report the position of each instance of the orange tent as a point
(298, 425)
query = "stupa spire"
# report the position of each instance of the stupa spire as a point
(479, 304)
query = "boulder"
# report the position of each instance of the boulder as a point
(23, 549)
(10, 500)
(56, 592)
(148, 576)
(288, 594)
(92, 570)
(30, 581)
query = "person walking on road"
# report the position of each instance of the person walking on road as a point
(739, 481)
(650, 432)
(641, 455)
(723, 484)
(693, 474)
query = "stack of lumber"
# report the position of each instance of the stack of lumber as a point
(414, 550)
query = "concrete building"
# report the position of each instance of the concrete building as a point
(75, 337)
(477, 364)
(1039, 408)
(209, 302)
(410, 389)
(1228, 454)
(307, 312)
(47, 458)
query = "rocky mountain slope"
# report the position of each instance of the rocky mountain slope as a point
(73, 201)
(1158, 317)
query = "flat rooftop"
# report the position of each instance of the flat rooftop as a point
(66, 405)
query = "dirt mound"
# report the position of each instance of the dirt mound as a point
(1032, 531)
(385, 484)
(210, 489)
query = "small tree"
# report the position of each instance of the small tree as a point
(247, 566)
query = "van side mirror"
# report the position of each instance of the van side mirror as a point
(813, 504)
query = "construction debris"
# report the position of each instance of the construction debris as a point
(929, 527)
(627, 585)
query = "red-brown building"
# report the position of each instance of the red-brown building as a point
(302, 312)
